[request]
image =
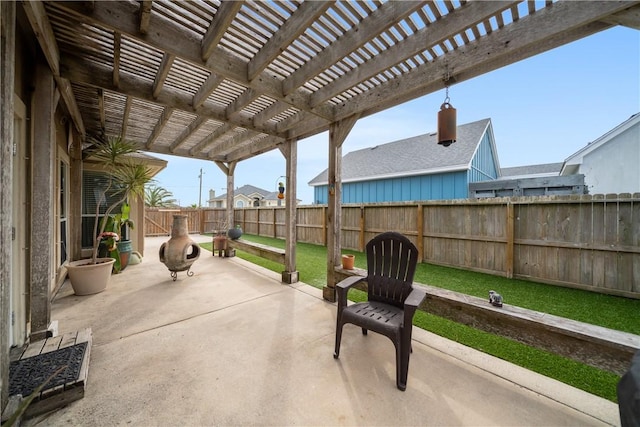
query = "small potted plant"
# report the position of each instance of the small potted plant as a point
(126, 180)
(235, 233)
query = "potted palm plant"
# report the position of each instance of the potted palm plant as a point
(126, 179)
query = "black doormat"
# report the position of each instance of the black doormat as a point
(25, 375)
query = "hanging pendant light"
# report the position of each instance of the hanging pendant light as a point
(446, 118)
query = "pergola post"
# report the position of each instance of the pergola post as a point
(229, 170)
(7, 76)
(42, 200)
(338, 132)
(290, 273)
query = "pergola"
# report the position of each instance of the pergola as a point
(228, 80)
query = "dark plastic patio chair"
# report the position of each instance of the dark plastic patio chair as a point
(392, 299)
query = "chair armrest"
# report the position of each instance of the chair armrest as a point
(415, 298)
(349, 282)
(343, 287)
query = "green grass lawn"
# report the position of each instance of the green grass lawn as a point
(603, 310)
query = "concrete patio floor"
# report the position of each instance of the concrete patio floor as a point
(232, 345)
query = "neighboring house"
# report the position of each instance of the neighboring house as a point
(531, 180)
(246, 196)
(416, 168)
(531, 171)
(610, 164)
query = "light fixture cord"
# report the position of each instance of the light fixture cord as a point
(446, 78)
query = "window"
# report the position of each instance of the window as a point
(240, 204)
(94, 185)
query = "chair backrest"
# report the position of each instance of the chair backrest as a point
(391, 264)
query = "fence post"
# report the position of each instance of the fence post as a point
(420, 231)
(510, 232)
(275, 225)
(324, 226)
(362, 225)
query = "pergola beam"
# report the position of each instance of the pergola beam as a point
(187, 132)
(41, 26)
(125, 117)
(222, 19)
(163, 72)
(542, 31)
(207, 88)
(208, 141)
(297, 23)
(381, 19)
(95, 75)
(160, 124)
(120, 17)
(431, 35)
(145, 15)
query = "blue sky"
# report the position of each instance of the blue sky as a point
(543, 109)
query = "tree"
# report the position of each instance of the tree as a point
(158, 197)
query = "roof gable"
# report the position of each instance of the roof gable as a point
(576, 158)
(418, 155)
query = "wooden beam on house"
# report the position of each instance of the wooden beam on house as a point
(295, 25)
(41, 26)
(628, 18)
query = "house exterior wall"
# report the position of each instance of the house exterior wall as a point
(439, 186)
(483, 164)
(445, 186)
(613, 167)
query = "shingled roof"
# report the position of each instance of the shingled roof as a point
(546, 169)
(249, 191)
(418, 155)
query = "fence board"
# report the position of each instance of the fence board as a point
(587, 242)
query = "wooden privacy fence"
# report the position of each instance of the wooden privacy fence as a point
(587, 242)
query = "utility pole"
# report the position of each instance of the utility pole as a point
(200, 195)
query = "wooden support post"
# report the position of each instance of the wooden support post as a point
(338, 132)
(75, 195)
(510, 232)
(42, 200)
(290, 273)
(7, 78)
(229, 170)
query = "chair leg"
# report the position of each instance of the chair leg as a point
(400, 382)
(364, 331)
(403, 364)
(336, 352)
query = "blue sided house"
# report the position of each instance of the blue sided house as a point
(416, 168)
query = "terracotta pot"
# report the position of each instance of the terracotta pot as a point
(87, 278)
(347, 261)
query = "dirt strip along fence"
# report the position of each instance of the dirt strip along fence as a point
(586, 242)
